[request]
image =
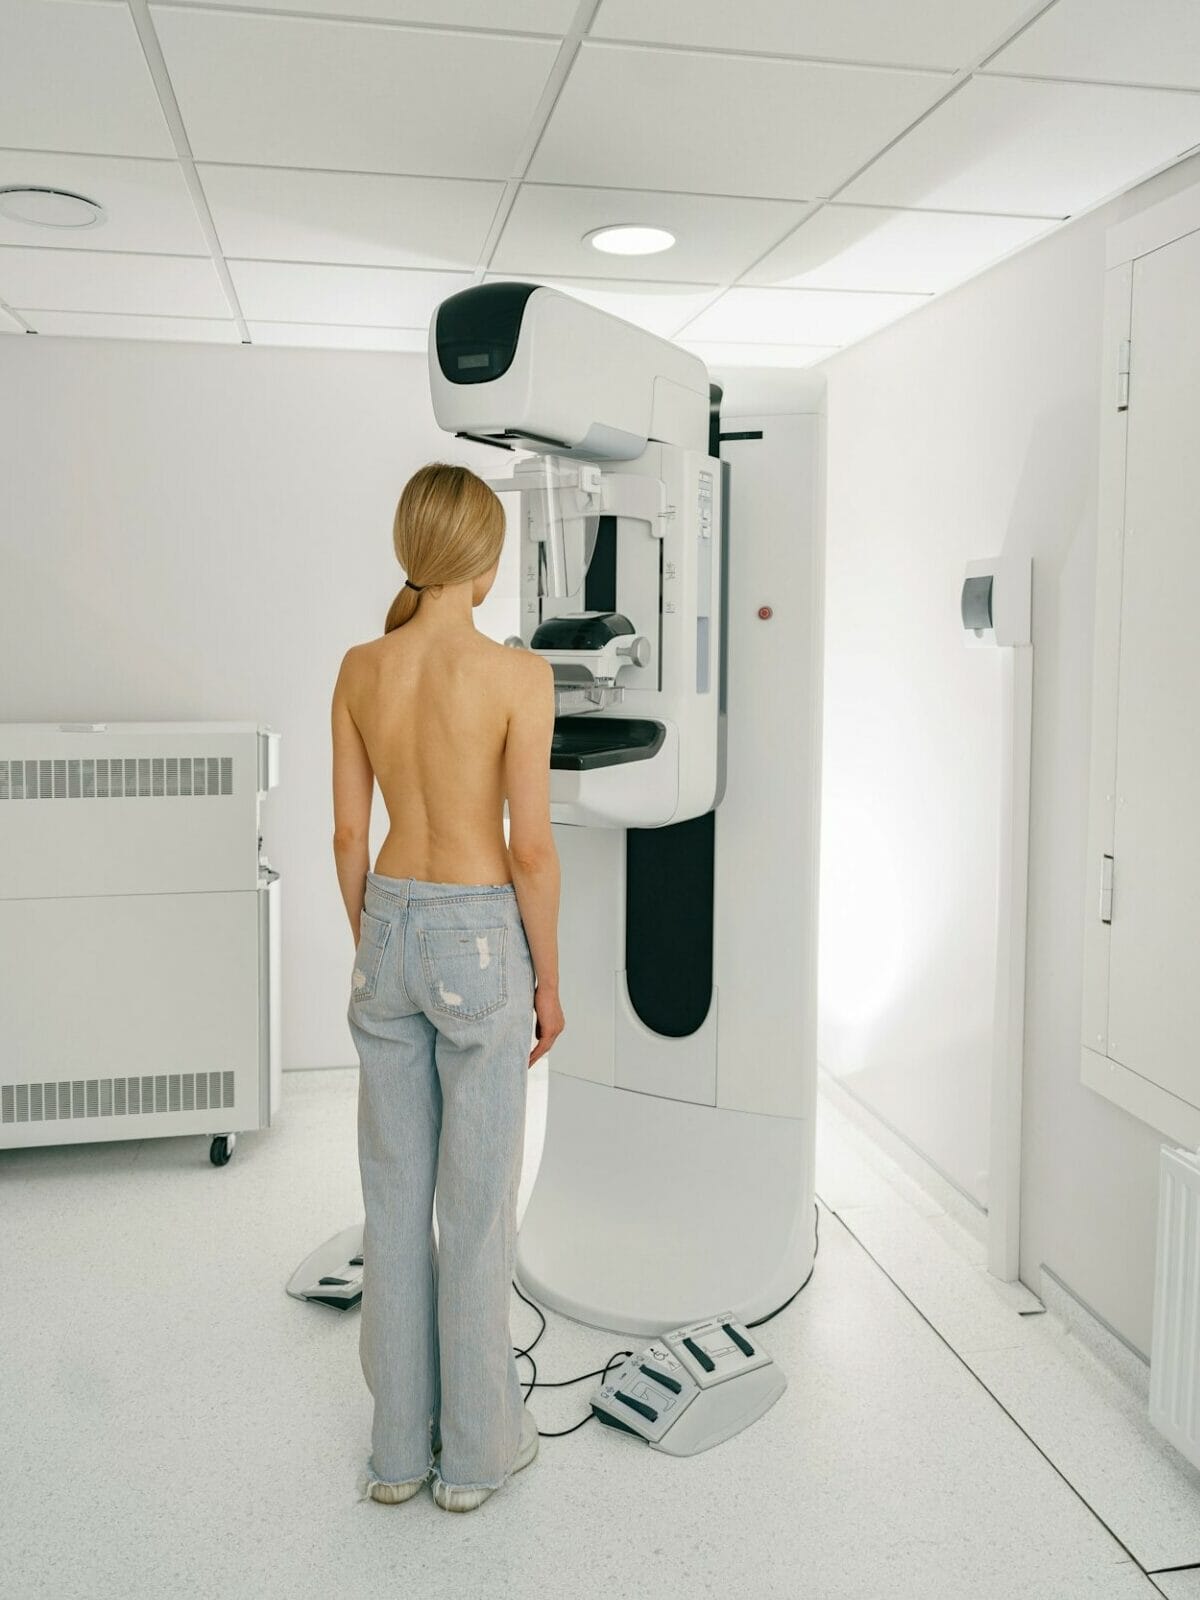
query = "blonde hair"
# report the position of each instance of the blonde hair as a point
(449, 528)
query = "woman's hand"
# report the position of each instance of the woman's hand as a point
(550, 1020)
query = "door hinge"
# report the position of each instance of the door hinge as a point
(1123, 376)
(1106, 888)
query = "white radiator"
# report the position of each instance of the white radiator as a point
(1175, 1352)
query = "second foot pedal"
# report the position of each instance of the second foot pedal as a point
(691, 1388)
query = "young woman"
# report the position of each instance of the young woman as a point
(455, 963)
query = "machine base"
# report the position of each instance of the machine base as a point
(647, 1211)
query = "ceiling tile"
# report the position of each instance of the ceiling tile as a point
(659, 307)
(353, 218)
(715, 356)
(98, 325)
(385, 297)
(73, 77)
(147, 203)
(99, 280)
(1012, 144)
(797, 316)
(938, 33)
(715, 238)
(320, 336)
(1152, 42)
(656, 119)
(293, 92)
(915, 252)
(516, 16)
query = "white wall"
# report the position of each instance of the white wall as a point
(970, 427)
(197, 531)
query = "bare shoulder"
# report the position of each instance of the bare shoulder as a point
(353, 661)
(522, 669)
(531, 674)
(368, 649)
(359, 654)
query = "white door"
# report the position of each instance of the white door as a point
(1154, 975)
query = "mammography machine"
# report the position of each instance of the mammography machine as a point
(678, 598)
(676, 1177)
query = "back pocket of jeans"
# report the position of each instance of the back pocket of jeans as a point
(465, 969)
(373, 935)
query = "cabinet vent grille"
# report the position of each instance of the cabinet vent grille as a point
(115, 1097)
(116, 778)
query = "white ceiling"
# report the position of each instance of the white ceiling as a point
(324, 172)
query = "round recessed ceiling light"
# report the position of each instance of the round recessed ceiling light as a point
(49, 208)
(629, 239)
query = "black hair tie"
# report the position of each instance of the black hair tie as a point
(409, 584)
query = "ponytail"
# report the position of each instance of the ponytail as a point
(449, 528)
(402, 609)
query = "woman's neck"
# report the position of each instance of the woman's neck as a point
(448, 612)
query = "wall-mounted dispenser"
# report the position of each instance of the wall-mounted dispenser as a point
(996, 609)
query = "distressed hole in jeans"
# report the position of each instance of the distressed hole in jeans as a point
(448, 996)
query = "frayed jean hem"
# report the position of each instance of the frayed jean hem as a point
(369, 1477)
(437, 1478)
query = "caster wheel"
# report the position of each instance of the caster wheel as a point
(222, 1148)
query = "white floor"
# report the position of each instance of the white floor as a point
(174, 1425)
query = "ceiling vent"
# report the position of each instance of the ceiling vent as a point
(49, 208)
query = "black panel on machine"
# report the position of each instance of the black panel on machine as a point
(669, 923)
(600, 584)
(583, 742)
(477, 331)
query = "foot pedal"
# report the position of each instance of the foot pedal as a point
(691, 1388)
(332, 1275)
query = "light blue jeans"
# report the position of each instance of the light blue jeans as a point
(441, 1012)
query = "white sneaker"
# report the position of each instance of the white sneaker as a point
(394, 1494)
(452, 1498)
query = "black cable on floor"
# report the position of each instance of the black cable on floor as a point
(602, 1372)
(816, 1247)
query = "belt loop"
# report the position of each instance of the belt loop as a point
(373, 886)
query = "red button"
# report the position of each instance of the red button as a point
(765, 613)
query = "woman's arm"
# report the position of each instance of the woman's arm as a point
(353, 789)
(532, 855)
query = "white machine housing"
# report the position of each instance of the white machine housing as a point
(677, 1170)
(572, 382)
(518, 363)
(139, 931)
(654, 693)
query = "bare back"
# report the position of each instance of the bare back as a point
(433, 710)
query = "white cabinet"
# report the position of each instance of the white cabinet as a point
(139, 932)
(1141, 989)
